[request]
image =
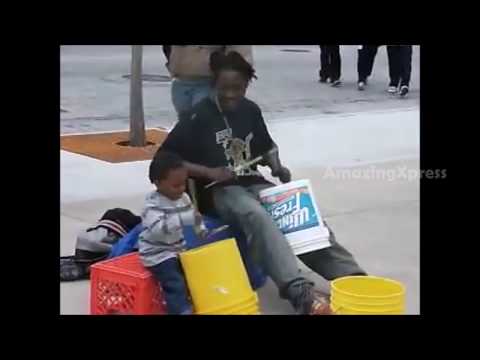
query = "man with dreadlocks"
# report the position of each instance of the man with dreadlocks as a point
(224, 132)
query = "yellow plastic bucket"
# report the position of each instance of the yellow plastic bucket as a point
(254, 311)
(251, 309)
(245, 309)
(216, 276)
(352, 310)
(367, 295)
(362, 302)
(250, 302)
(238, 310)
(368, 307)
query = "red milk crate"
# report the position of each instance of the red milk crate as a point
(122, 285)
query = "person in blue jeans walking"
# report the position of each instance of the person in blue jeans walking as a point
(167, 211)
(192, 77)
(225, 131)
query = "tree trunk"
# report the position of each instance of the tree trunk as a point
(137, 122)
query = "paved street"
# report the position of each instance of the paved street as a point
(95, 96)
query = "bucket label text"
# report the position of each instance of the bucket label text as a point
(292, 210)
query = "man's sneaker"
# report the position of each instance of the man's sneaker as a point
(320, 305)
(403, 90)
(323, 80)
(392, 89)
(336, 83)
(361, 85)
(312, 302)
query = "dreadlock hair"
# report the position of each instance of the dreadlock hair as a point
(162, 163)
(231, 61)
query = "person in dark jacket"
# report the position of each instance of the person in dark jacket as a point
(366, 59)
(330, 64)
(400, 68)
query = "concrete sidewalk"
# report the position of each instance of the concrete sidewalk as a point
(95, 95)
(376, 216)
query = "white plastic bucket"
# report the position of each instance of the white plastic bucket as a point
(294, 209)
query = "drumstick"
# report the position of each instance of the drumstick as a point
(217, 230)
(246, 165)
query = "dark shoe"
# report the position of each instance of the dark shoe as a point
(321, 76)
(320, 305)
(392, 89)
(312, 302)
(336, 83)
(404, 90)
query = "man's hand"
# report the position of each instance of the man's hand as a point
(272, 159)
(283, 174)
(220, 174)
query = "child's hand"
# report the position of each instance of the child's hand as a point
(198, 217)
(200, 228)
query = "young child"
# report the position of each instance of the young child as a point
(167, 211)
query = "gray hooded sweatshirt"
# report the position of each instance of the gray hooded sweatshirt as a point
(163, 220)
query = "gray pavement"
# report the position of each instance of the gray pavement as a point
(95, 96)
(376, 219)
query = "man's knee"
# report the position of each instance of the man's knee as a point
(258, 217)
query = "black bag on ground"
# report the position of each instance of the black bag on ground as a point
(95, 243)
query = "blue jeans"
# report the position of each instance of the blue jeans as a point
(188, 93)
(172, 280)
